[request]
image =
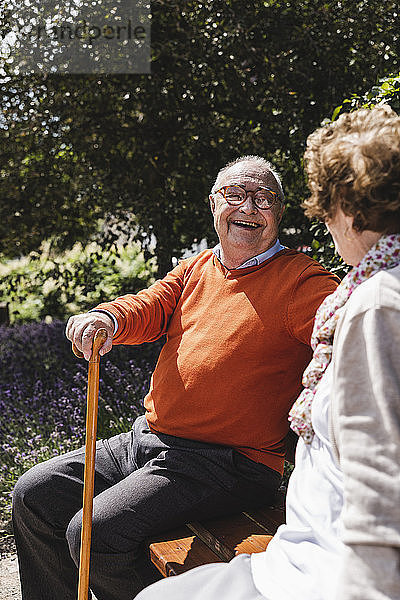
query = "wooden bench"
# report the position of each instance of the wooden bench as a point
(214, 540)
(219, 540)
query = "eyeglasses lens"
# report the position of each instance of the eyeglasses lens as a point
(262, 198)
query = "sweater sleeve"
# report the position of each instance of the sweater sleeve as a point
(144, 317)
(311, 288)
(366, 409)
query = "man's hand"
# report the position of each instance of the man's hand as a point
(81, 328)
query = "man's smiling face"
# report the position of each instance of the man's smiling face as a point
(245, 231)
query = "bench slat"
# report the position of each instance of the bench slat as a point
(178, 551)
(215, 540)
(233, 535)
(268, 518)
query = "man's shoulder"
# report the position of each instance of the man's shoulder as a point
(301, 263)
(197, 262)
(198, 259)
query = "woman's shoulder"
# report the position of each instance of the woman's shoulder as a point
(379, 291)
(382, 289)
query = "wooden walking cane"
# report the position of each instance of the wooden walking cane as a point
(90, 454)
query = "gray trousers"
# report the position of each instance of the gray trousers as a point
(144, 484)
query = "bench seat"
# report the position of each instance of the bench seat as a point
(214, 540)
(219, 540)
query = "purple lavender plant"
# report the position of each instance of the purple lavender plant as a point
(43, 396)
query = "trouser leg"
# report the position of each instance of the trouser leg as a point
(176, 481)
(45, 499)
(144, 484)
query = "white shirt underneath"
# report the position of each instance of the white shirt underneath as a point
(303, 559)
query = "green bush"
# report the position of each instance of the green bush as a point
(387, 91)
(45, 287)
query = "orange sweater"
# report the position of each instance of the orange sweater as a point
(237, 344)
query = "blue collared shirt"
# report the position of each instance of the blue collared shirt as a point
(256, 260)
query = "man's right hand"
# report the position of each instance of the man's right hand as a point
(81, 328)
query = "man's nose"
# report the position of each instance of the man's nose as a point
(248, 207)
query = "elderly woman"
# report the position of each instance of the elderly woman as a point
(342, 536)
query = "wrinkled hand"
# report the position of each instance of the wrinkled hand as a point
(81, 328)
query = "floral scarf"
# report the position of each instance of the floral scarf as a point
(385, 254)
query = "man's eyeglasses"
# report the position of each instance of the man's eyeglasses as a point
(235, 195)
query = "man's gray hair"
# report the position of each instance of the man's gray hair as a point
(264, 166)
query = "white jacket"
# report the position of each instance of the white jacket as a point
(365, 428)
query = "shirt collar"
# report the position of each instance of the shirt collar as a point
(255, 260)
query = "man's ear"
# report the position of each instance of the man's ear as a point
(212, 203)
(280, 213)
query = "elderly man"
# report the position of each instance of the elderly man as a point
(238, 321)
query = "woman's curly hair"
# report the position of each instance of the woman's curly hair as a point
(354, 164)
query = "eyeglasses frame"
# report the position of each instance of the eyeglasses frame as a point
(247, 192)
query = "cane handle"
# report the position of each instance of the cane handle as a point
(98, 341)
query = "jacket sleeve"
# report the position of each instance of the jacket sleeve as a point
(144, 317)
(366, 425)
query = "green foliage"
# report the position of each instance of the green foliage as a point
(228, 78)
(323, 250)
(43, 286)
(387, 91)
